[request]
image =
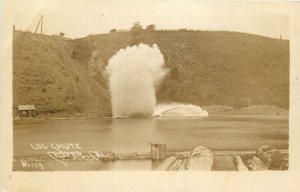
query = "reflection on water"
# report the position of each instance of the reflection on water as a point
(218, 132)
(134, 135)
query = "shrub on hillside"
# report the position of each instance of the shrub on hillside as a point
(243, 102)
(137, 28)
(150, 28)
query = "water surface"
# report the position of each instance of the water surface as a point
(217, 132)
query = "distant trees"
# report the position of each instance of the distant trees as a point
(150, 28)
(113, 30)
(137, 28)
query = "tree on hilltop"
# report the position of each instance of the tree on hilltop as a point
(137, 28)
(150, 28)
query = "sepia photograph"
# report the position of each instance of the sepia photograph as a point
(150, 95)
(141, 95)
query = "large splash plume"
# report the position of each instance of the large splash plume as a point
(134, 74)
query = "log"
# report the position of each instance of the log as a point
(133, 156)
(256, 164)
(166, 164)
(273, 158)
(183, 165)
(201, 159)
(240, 164)
(176, 165)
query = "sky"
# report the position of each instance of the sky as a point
(80, 18)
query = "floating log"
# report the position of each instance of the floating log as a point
(183, 165)
(240, 164)
(166, 164)
(201, 159)
(274, 159)
(256, 164)
(176, 165)
(182, 155)
(133, 156)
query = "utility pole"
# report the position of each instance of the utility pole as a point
(40, 22)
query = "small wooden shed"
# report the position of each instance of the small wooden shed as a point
(27, 110)
(158, 151)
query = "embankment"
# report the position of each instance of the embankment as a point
(66, 77)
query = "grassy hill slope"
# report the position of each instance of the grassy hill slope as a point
(67, 76)
(208, 67)
(44, 74)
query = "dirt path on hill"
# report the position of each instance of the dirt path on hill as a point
(93, 99)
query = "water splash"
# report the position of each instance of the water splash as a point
(134, 74)
(179, 109)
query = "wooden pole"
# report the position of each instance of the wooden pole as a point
(42, 24)
(158, 151)
(38, 25)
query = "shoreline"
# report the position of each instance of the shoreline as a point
(111, 118)
(212, 110)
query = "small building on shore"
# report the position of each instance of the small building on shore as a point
(26, 110)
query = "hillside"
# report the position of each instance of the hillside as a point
(46, 75)
(206, 68)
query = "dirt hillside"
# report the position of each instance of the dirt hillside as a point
(207, 68)
(46, 75)
(64, 76)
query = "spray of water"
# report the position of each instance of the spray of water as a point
(179, 109)
(134, 74)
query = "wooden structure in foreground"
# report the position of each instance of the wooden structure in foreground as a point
(202, 158)
(158, 151)
(199, 159)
